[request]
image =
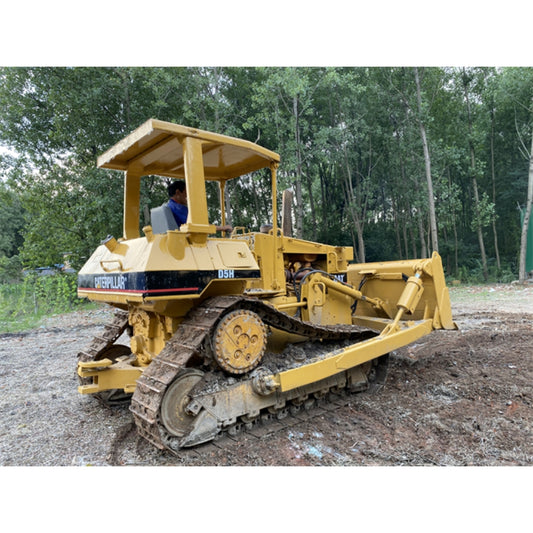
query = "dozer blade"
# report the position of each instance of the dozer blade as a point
(404, 300)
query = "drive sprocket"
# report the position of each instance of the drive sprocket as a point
(239, 341)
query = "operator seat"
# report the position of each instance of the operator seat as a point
(162, 219)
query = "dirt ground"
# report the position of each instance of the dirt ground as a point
(455, 398)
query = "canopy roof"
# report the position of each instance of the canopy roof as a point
(156, 147)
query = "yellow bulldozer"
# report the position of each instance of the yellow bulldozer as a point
(225, 330)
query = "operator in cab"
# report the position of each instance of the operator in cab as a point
(177, 203)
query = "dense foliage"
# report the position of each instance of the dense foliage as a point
(23, 304)
(394, 161)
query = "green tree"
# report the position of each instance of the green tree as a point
(354, 138)
(58, 120)
(11, 221)
(367, 151)
(284, 106)
(513, 118)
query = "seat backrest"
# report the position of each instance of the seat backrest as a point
(162, 219)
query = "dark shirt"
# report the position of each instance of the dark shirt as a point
(179, 211)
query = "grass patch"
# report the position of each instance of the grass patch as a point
(24, 305)
(492, 293)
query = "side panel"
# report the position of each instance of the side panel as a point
(166, 266)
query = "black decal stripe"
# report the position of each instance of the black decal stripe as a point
(177, 290)
(156, 283)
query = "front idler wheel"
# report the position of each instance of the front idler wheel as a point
(174, 414)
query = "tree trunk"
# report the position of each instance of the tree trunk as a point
(456, 247)
(405, 238)
(286, 213)
(413, 242)
(227, 203)
(423, 251)
(126, 103)
(527, 216)
(357, 218)
(493, 175)
(323, 194)
(309, 184)
(396, 222)
(427, 161)
(479, 228)
(298, 181)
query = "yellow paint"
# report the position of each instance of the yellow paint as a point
(132, 194)
(117, 376)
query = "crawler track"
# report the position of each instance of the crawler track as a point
(189, 342)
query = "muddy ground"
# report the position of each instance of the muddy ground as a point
(455, 398)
